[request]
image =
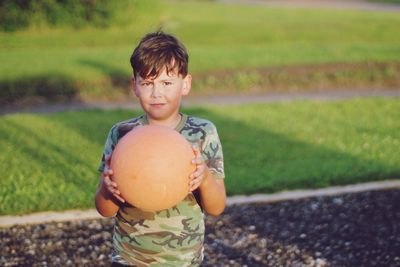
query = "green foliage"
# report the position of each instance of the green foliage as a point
(16, 15)
(49, 162)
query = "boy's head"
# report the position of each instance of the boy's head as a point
(156, 52)
(160, 75)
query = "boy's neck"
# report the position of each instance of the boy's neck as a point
(170, 122)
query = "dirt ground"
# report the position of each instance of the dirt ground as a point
(350, 230)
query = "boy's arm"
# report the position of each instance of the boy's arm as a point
(212, 190)
(213, 195)
(107, 199)
(106, 204)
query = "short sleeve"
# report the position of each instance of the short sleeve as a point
(109, 146)
(212, 152)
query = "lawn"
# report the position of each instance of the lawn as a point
(49, 161)
(87, 62)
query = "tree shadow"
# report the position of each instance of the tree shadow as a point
(55, 87)
(49, 87)
(93, 124)
(50, 155)
(119, 79)
(285, 164)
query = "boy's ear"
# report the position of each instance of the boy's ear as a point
(187, 85)
(133, 85)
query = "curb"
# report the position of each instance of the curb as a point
(324, 192)
(72, 215)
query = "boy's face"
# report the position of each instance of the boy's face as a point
(160, 97)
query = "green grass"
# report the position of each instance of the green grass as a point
(49, 162)
(218, 36)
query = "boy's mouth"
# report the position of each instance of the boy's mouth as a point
(157, 105)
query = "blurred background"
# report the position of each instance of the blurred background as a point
(77, 51)
(54, 50)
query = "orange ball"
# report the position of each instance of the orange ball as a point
(151, 166)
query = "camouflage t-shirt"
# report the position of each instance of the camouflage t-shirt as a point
(171, 237)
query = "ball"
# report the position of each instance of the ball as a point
(151, 166)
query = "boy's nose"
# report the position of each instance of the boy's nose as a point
(156, 91)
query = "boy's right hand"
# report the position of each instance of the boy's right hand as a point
(108, 182)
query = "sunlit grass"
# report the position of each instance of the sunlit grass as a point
(49, 162)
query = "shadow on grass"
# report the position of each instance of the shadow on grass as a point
(54, 87)
(50, 87)
(92, 124)
(48, 155)
(256, 160)
(119, 78)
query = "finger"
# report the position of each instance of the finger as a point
(109, 183)
(194, 175)
(110, 176)
(107, 180)
(197, 161)
(195, 181)
(119, 198)
(112, 185)
(107, 161)
(108, 172)
(199, 172)
(114, 190)
(194, 186)
(107, 158)
(196, 151)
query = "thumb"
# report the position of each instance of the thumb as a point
(196, 151)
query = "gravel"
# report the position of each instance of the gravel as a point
(361, 229)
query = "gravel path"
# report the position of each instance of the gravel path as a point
(360, 229)
(201, 100)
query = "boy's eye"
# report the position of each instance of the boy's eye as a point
(167, 83)
(146, 84)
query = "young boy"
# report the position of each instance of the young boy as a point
(172, 237)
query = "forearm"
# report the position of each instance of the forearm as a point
(213, 195)
(105, 203)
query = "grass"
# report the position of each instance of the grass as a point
(218, 37)
(49, 161)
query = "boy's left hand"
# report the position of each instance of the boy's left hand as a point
(197, 177)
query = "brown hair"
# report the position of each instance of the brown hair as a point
(156, 51)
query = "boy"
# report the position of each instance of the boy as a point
(172, 237)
